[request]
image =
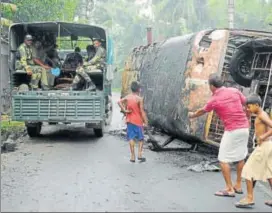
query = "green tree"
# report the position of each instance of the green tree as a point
(45, 10)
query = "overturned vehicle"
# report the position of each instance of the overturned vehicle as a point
(59, 102)
(174, 76)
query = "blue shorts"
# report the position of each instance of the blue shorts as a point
(134, 132)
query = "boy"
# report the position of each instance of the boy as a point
(259, 164)
(135, 119)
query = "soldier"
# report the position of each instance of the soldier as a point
(96, 62)
(90, 52)
(39, 58)
(37, 73)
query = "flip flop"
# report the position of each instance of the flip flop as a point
(224, 193)
(244, 204)
(238, 191)
(142, 159)
(268, 203)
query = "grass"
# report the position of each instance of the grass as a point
(11, 126)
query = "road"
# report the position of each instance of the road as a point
(68, 169)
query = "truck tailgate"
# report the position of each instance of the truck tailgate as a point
(58, 106)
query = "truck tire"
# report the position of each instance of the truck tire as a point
(34, 130)
(240, 67)
(99, 132)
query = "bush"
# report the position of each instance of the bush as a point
(9, 127)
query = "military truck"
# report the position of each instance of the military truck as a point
(37, 107)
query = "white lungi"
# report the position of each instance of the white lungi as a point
(233, 146)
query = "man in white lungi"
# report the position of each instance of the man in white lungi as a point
(229, 105)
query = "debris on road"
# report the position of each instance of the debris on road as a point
(204, 166)
(11, 133)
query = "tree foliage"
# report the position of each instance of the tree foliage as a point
(127, 25)
(45, 10)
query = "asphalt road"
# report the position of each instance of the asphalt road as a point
(68, 169)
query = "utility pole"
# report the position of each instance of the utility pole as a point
(0, 70)
(149, 35)
(231, 13)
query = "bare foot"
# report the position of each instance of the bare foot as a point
(132, 158)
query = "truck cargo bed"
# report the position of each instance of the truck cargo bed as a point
(58, 106)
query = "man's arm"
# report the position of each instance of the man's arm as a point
(144, 117)
(207, 108)
(23, 61)
(267, 121)
(243, 101)
(197, 113)
(98, 56)
(37, 60)
(23, 58)
(40, 63)
(121, 103)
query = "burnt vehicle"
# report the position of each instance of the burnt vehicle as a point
(174, 76)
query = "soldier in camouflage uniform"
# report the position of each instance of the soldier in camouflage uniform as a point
(39, 57)
(26, 62)
(97, 62)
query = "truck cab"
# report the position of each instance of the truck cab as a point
(59, 104)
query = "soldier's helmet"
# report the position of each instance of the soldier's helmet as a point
(97, 39)
(28, 37)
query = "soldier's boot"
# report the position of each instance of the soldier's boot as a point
(90, 86)
(34, 85)
(74, 86)
(45, 87)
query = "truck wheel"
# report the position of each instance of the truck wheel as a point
(34, 130)
(240, 67)
(99, 132)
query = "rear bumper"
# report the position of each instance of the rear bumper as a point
(56, 120)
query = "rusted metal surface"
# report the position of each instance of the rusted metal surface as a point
(149, 35)
(207, 53)
(174, 76)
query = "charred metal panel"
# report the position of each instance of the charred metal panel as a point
(208, 49)
(162, 76)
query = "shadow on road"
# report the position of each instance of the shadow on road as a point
(67, 135)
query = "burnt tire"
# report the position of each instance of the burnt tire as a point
(240, 67)
(99, 132)
(34, 130)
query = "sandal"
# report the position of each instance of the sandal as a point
(244, 204)
(224, 193)
(268, 203)
(142, 159)
(238, 191)
(133, 161)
